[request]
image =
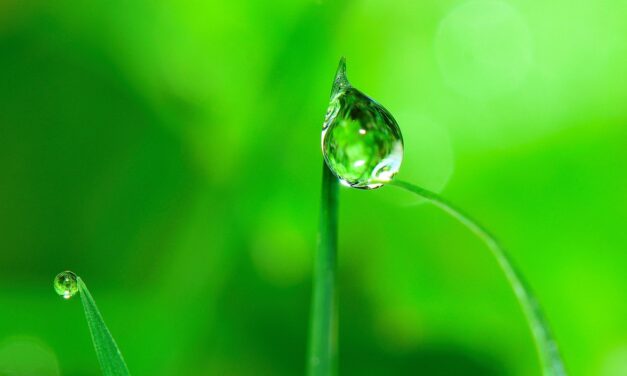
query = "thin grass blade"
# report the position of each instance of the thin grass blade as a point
(322, 355)
(109, 355)
(550, 358)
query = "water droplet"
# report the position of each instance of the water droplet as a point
(361, 142)
(66, 284)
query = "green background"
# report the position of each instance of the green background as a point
(169, 153)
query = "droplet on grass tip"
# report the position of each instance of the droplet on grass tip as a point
(361, 142)
(66, 284)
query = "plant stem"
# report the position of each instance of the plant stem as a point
(322, 357)
(550, 358)
(109, 355)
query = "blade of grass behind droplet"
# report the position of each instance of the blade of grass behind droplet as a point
(109, 355)
(322, 355)
(550, 358)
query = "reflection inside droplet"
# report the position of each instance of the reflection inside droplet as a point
(361, 142)
(66, 284)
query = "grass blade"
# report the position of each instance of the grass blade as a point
(322, 356)
(109, 356)
(550, 358)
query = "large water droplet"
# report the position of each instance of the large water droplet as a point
(361, 142)
(66, 284)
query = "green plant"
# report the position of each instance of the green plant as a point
(548, 351)
(322, 358)
(68, 284)
(362, 146)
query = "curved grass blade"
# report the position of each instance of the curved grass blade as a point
(109, 356)
(550, 358)
(322, 354)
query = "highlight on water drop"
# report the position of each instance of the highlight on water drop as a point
(66, 284)
(361, 142)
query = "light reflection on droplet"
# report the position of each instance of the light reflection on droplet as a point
(66, 284)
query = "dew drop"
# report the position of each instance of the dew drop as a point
(66, 284)
(361, 142)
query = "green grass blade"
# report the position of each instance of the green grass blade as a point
(550, 358)
(322, 357)
(109, 356)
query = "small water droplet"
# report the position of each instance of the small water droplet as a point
(361, 142)
(66, 284)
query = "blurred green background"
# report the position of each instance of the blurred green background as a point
(169, 153)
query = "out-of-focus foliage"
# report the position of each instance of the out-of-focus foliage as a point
(169, 153)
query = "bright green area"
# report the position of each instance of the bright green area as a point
(169, 153)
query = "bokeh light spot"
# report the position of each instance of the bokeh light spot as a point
(484, 49)
(25, 356)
